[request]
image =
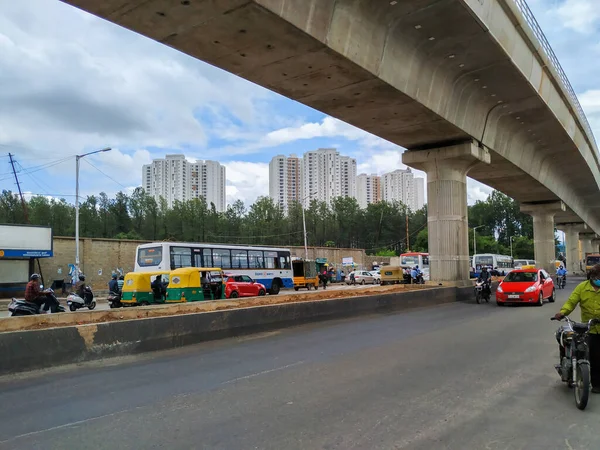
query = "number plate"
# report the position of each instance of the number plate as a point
(514, 296)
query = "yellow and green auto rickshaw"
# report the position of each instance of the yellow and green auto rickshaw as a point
(305, 274)
(193, 284)
(394, 275)
(137, 288)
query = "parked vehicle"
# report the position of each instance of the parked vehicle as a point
(361, 277)
(114, 300)
(591, 259)
(137, 288)
(21, 307)
(75, 302)
(192, 284)
(305, 274)
(395, 275)
(243, 286)
(526, 286)
(482, 292)
(377, 275)
(574, 365)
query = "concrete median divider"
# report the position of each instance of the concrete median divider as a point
(37, 349)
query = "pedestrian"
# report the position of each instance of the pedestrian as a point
(323, 279)
(342, 275)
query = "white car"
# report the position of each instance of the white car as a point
(361, 277)
(377, 275)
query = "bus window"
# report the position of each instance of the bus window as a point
(221, 258)
(271, 260)
(197, 257)
(484, 261)
(149, 256)
(239, 259)
(181, 257)
(285, 260)
(425, 260)
(255, 258)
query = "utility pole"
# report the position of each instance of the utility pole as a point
(407, 236)
(12, 163)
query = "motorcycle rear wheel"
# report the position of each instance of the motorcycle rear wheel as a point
(582, 386)
(72, 307)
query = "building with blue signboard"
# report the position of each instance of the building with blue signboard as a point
(20, 246)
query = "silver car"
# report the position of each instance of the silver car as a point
(361, 277)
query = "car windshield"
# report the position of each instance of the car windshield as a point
(521, 277)
(593, 260)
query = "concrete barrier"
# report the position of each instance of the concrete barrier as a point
(37, 349)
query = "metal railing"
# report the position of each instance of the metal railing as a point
(537, 31)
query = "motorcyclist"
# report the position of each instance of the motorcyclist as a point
(121, 282)
(34, 294)
(587, 296)
(561, 272)
(415, 274)
(80, 289)
(113, 284)
(486, 278)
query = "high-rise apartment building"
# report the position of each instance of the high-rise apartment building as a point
(285, 180)
(402, 186)
(175, 178)
(326, 175)
(368, 189)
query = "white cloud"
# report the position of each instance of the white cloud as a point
(477, 191)
(579, 15)
(246, 181)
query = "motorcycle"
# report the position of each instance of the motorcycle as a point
(481, 292)
(21, 307)
(75, 301)
(561, 281)
(114, 300)
(574, 365)
(418, 279)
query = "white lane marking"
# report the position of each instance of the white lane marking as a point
(263, 372)
(67, 425)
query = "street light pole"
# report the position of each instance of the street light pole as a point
(304, 227)
(511, 248)
(77, 158)
(475, 241)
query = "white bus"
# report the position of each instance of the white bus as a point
(266, 265)
(502, 263)
(416, 259)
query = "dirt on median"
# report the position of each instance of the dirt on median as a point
(141, 312)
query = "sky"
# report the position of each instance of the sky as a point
(72, 83)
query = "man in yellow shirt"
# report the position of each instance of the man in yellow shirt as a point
(587, 296)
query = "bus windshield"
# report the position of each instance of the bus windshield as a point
(149, 256)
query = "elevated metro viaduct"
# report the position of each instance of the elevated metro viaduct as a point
(466, 86)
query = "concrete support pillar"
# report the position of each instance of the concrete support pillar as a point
(448, 227)
(544, 245)
(586, 243)
(596, 245)
(572, 231)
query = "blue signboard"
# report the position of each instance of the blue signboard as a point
(26, 253)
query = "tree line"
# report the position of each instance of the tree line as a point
(381, 228)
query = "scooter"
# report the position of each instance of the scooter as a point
(21, 307)
(114, 300)
(75, 301)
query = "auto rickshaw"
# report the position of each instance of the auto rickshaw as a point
(305, 274)
(137, 288)
(193, 284)
(394, 275)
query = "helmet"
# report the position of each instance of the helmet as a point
(561, 267)
(82, 277)
(114, 276)
(34, 276)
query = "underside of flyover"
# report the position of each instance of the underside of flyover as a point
(419, 73)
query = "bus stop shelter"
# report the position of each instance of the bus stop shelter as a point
(20, 246)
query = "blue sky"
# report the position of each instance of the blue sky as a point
(71, 83)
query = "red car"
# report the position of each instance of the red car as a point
(243, 286)
(526, 286)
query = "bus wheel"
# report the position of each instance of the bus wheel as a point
(275, 287)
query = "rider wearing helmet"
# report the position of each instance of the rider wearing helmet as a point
(113, 284)
(486, 277)
(561, 272)
(587, 296)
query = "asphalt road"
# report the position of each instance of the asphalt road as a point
(459, 376)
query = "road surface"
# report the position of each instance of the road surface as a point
(458, 376)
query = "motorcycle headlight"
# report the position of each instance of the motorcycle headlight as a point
(499, 289)
(530, 289)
